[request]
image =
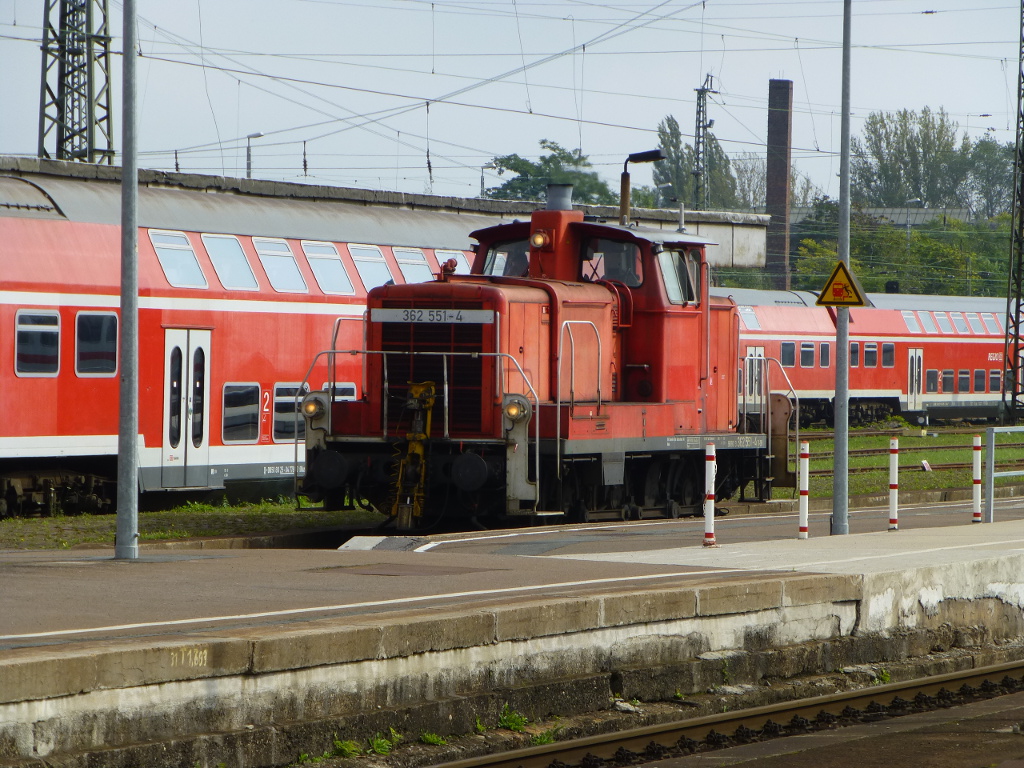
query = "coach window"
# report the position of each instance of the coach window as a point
(806, 354)
(911, 321)
(991, 323)
(279, 263)
(975, 322)
(614, 260)
(343, 390)
(959, 323)
(979, 380)
(931, 381)
(788, 355)
(947, 382)
(854, 354)
(229, 263)
(241, 413)
(96, 344)
(370, 265)
(327, 268)
(825, 354)
(37, 343)
(963, 381)
(995, 381)
(286, 415)
(943, 321)
(927, 322)
(198, 405)
(177, 259)
(462, 263)
(176, 365)
(870, 354)
(413, 264)
(888, 355)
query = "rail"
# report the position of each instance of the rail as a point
(990, 469)
(566, 327)
(332, 353)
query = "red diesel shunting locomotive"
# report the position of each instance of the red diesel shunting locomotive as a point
(580, 369)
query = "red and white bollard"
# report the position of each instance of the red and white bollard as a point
(710, 467)
(976, 490)
(894, 484)
(805, 461)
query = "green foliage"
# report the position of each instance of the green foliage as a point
(345, 748)
(379, 745)
(479, 725)
(558, 166)
(545, 737)
(432, 738)
(511, 720)
(884, 677)
(678, 166)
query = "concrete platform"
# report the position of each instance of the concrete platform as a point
(242, 655)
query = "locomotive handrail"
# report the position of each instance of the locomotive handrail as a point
(572, 383)
(764, 394)
(331, 353)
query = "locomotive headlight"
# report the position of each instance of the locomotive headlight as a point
(314, 405)
(516, 408)
(540, 239)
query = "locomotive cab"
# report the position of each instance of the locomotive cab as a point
(579, 370)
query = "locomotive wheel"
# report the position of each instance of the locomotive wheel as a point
(672, 509)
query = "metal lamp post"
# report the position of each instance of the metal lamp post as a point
(248, 152)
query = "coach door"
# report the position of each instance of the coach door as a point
(186, 439)
(915, 379)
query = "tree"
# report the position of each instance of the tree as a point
(905, 155)
(991, 180)
(751, 171)
(559, 166)
(677, 169)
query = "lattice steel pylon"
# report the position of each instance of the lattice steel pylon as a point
(1013, 397)
(701, 188)
(75, 122)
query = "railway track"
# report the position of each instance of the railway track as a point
(1000, 467)
(687, 737)
(916, 449)
(812, 436)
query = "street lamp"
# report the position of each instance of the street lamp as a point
(650, 156)
(248, 152)
(488, 167)
(907, 204)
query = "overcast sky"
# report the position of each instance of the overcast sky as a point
(348, 83)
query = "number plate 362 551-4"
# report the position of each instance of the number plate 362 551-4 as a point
(417, 315)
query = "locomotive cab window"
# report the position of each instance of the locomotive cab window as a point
(787, 355)
(287, 418)
(370, 264)
(327, 267)
(680, 273)
(413, 264)
(37, 343)
(229, 263)
(463, 267)
(508, 259)
(279, 263)
(931, 381)
(177, 259)
(96, 344)
(605, 259)
(241, 413)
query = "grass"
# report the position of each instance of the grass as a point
(188, 521)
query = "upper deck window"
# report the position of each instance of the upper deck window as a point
(749, 318)
(927, 322)
(681, 275)
(328, 268)
(463, 266)
(991, 323)
(508, 259)
(911, 321)
(943, 321)
(230, 263)
(959, 323)
(279, 263)
(370, 264)
(413, 264)
(177, 259)
(605, 259)
(975, 322)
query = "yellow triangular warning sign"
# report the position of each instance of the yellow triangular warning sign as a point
(841, 290)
